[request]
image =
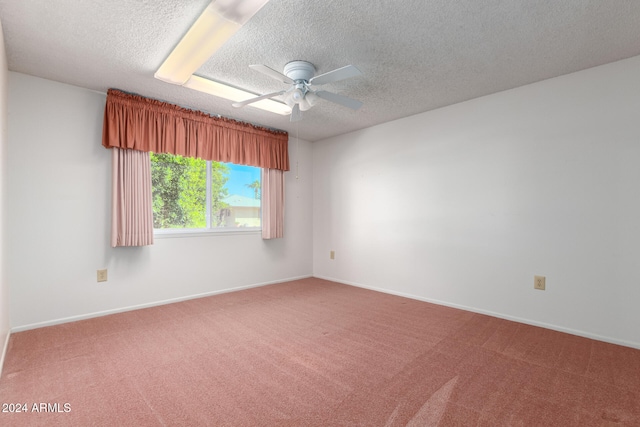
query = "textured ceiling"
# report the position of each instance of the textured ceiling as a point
(415, 55)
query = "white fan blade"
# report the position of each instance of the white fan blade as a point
(296, 114)
(339, 99)
(272, 73)
(256, 99)
(336, 75)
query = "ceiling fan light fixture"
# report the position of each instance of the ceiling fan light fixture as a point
(289, 101)
(287, 98)
(311, 98)
(234, 94)
(217, 23)
(305, 104)
(297, 95)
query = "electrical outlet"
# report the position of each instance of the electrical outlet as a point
(332, 255)
(102, 275)
(539, 283)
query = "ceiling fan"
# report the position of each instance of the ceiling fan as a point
(300, 96)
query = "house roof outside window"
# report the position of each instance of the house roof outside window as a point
(237, 201)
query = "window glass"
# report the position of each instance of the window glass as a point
(240, 205)
(197, 194)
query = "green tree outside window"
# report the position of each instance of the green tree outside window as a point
(180, 191)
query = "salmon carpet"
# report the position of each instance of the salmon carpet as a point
(313, 353)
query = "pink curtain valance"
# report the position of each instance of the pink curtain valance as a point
(138, 123)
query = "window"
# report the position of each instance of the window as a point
(193, 193)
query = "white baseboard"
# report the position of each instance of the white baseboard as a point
(5, 347)
(146, 305)
(491, 313)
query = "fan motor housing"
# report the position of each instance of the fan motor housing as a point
(299, 70)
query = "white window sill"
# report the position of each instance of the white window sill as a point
(200, 232)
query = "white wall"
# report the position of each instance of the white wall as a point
(465, 204)
(5, 324)
(58, 204)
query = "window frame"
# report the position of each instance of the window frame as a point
(210, 231)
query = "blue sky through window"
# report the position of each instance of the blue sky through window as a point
(239, 177)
